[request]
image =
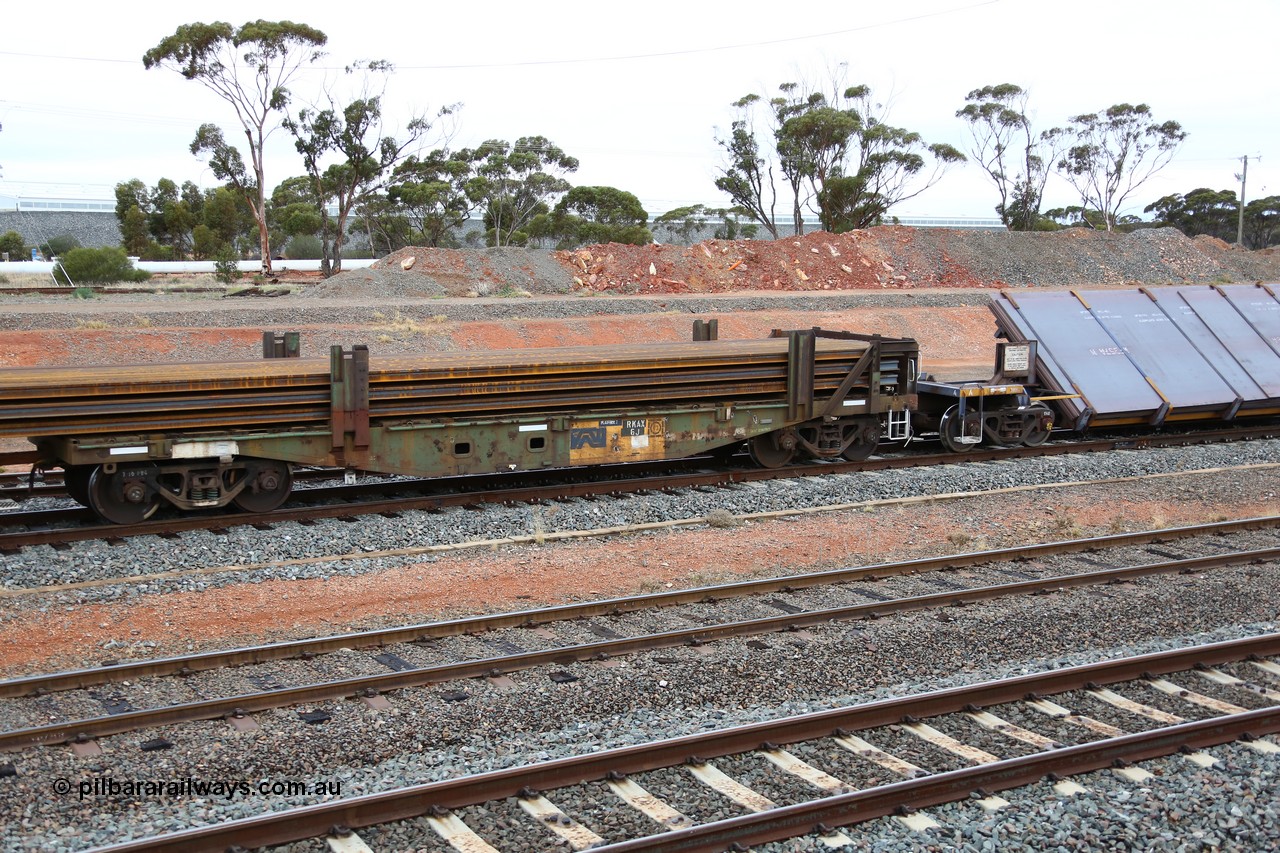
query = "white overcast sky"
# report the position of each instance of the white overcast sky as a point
(637, 91)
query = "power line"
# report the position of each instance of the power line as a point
(583, 60)
(696, 50)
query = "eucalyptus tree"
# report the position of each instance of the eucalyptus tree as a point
(589, 215)
(838, 155)
(431, 191)
(1201, 211)
(1016, 158)
(515, 182)
(217, 56)
(747, 175)
(688, 224)
(1110, 154)
(366, 153)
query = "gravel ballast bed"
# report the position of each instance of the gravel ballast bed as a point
(426, 739)
(94, 561)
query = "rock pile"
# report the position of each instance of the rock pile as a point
(882, 258)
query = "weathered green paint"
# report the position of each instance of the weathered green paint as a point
(453, 448)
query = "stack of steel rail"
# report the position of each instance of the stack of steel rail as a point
(54, 401)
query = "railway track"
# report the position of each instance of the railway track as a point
(58, 527)
(41, 709)
(817, 774)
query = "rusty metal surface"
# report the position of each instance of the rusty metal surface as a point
(98, 400)
(47, 525)
(1153, 354)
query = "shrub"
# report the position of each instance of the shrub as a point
(226, 265)
(303, 247)
(97, 266)
(158, 252)
(11, 242)
(721, 518)
(59, 246)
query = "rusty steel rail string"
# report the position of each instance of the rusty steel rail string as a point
(414, 801)
(15, 540)
(370, 685)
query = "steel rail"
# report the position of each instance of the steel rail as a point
(862, 806)
(185, 664)
(16, 540)
(414, 801)
(369, 685)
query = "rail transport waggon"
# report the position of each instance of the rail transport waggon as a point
(196, 436)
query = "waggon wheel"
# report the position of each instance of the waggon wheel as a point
(949, 430)
(767, 453)
(125, 496)
(865, 440)
(269, 485)
(76, 480)
(1038, 435)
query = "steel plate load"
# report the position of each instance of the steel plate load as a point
(1152, 355)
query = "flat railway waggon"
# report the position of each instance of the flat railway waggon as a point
(134, 439)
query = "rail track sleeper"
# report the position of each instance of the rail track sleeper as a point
(903, 797)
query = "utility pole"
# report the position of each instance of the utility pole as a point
(1240, 222)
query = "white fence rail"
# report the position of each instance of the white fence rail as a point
(161, 267)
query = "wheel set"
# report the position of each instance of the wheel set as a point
(134, 492)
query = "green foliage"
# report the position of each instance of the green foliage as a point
(432, 191)
(166, 215)
(367, 158)
(1216, 213)
(59, 246)
(1262, 222)
(294, 210)
(228, 216)
(303, 247)
(82, 293)
(1201, 211)
(204, 243)
(837, 153)
(213, 54)
(589, 215)
(97, 266)
(688, 224)
(1111, 154)
(226, 265)
(1074, 216)
(11, 242)
(157, 252)
(513, 184)
(135, 235)
(385, 224)
(131, 194)
(747, 178)
(1015, 158)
